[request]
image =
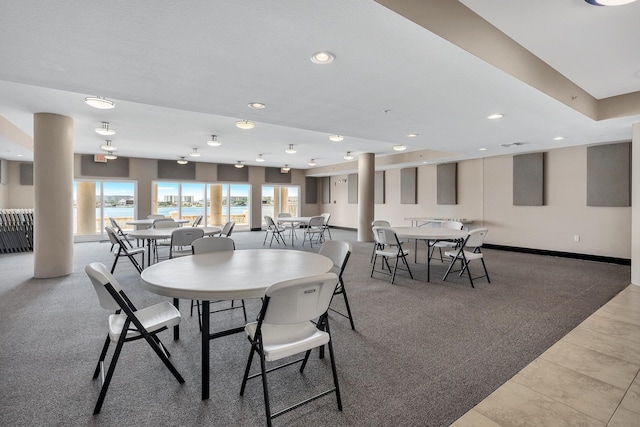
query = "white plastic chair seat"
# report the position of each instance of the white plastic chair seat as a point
(134, 251)
(153, 318)
(281, 341)
(391, 254)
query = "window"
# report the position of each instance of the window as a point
(277, 199)
(94, 202)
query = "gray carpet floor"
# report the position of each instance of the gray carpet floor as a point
(422, 354)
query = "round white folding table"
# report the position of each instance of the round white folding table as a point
(228, 275)
(151, 234)
(429, 235)
(148, 222)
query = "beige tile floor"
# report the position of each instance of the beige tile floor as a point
(591, 377)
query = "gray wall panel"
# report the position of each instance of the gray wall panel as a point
(447, 184)
(275, 176)
(326, 190)
(408, 186)
(528, 179)
(26, 173)
(118, 168)
(230, 173)
(609, 175)
(379, 188)
(311, 190)
(352, 188)
(170, 169)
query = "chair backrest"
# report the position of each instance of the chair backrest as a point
(111, 233)
(114, 224)
(337, 251)
(454, 225)
(316, 221)
(212, 244)
(164, 223)
(326, 216)
(380, 223)
(155, 216)
(100, 276)
(196, 222)
(385, 236)
(299, 300)
(269, 221)
(228, 228)
(475, 239)
(185, 236)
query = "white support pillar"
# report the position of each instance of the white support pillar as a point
(635, 205)
(366, 195)
(53, 202)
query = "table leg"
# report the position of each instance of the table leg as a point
(428, 263)
(148, 252)
(176, 329)
(205, 349)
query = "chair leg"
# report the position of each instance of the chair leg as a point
(346, 303)
(115, 261)
(103, 354)
(335, 372)
(265, 390)
(107, 379)
(265, 237)
(246, 371)
(244, 311)
(154, 345)
(486, 273)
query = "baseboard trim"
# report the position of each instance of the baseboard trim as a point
(586, 257)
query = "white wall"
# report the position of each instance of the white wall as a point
(13, 195)
(485, 195)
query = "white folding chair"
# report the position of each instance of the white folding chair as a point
(275, 231)
(314, 228)
(128, 324)
(376, 245)
(454, 225)
(181, 240)
(286, 327)
(469, 250)
(227, 229)
(338, 252)
(214, 244)
(391, 248)
(288, 225)
(124, 250)
(327, 217)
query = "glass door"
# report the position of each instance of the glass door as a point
(94, 202)
(280, 198)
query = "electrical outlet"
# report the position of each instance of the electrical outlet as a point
(576, 238)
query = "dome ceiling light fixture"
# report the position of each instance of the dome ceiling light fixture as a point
(609, 2)
(110, 155)
(99, 102)
(194, 153)
(286, 168)
(348, 156)
(245, 124)
(214, 141)
(259, 159)
(336, 138)
(322, 58)
(312, 162)
(182, 161)
(104, 130)
(239, 164)
(290, 150)
(107, 146)
(399, 147)
(257, 105)
(412, 135)
(495, 116)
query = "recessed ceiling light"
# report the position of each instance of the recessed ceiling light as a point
(104, 130)
(322, 58)
(239, 165)
(257, 105)
(290, 150)
(182, 161)
(107, 146)
(495, 116)
(412, 135)
(245, 124)
(609, 2)
(99, 102)
(348, 156)
(110, 155)
(482, 149)
(259, 159)
(214, 141)
(312, 162)
(558, 138)
(336, 138)
(399, 147)
(194, 153)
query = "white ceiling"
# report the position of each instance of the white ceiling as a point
(181, 71)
